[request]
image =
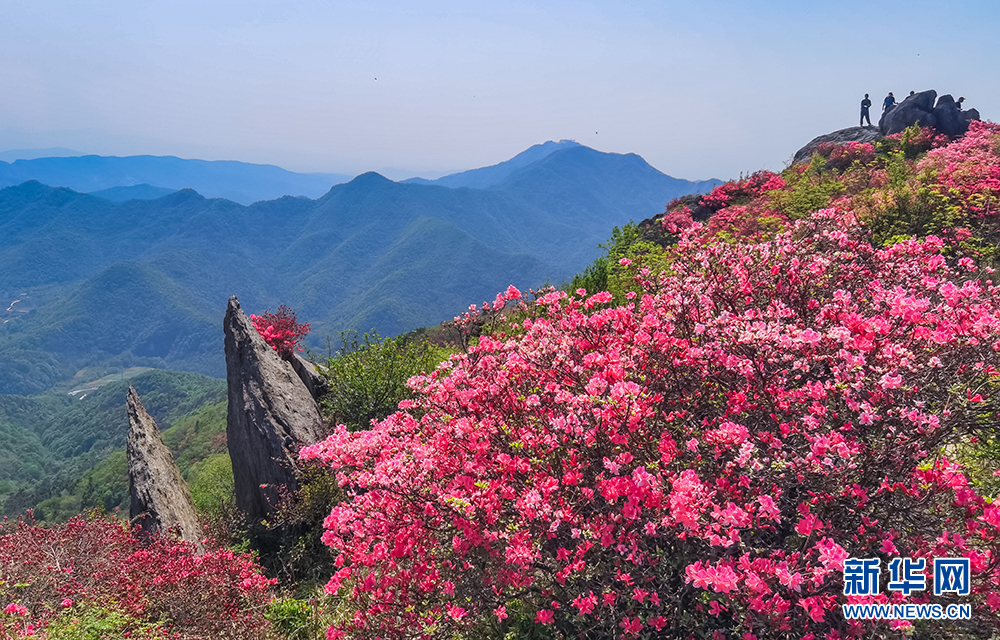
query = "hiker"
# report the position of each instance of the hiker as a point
(864, 111)
(959, 103)
(889, 102)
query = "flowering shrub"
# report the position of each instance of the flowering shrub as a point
(731, 192)
(281, 330)
(841, 156)
(702, 459)
(914, 141)
(969, 169)
(101, 563)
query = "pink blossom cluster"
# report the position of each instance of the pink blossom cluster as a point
(912, 144)
(841, 156)
(967, 171)
(757, 184)
(703, 458)
(281, 330)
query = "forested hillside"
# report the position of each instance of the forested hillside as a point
(92, 282)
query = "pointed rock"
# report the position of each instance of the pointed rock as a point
(160, 497)
(272, 414)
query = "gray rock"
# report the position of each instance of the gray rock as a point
(915, 109)
(968, 116)
(851, 134)
(272, 414)
(949, 117)
(920, 108)
(310, 374)
(160, 497)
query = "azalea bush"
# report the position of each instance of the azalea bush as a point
(842, 156)
(702, 459)
(809, 376)
(100, 568)
(281, 330)
(739, 191)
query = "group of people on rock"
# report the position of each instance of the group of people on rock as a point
(888, 105)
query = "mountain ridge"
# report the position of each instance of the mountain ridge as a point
(352, 258)
(241, 182)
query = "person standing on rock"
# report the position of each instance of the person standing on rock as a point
(889, 102)
(959, 103)
(865, 104)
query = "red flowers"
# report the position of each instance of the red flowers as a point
(219, 594)
(281, 330)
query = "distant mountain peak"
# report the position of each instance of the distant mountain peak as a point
(490, 176)
(369, 177)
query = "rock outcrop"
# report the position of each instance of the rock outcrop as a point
(851, 134)
(272, 414)
(160, 497)
(310, 375)
(920, 108)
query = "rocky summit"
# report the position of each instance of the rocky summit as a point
(850, 134)
(946, 116)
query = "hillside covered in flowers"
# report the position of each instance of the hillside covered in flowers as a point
(794, 370)
(690, 440)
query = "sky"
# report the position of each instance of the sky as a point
(707, 89)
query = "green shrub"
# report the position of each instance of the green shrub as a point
(366, 380)
(211, 484)
(294, 619)
(90, 622)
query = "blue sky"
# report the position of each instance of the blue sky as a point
(702, 91)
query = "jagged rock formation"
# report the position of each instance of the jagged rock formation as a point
(851, 134)
(160, 497)
(272, 414)
(310, 375)
(920, 109)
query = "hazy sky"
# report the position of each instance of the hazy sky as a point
(706, 88)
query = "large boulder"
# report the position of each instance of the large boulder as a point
(915, 109)
(272, 414)
(920, 108)
(160, 497)
(850, 134)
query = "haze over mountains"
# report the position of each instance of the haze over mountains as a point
(237, 181)
(91, 280)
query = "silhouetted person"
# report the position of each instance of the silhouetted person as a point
(959, 103)
(912, 93)
(865, 104)
(889, 102)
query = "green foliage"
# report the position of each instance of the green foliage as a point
(57, 509)
(295, 619)
(105, 487)
(366, 380)
(198, 436)
(80, 439)
(607, 274)
(808, 191)
(91, 622)
(593, 278)
(211, 485)
(915, 210)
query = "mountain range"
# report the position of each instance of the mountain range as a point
(91, 281)
(237, 181)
